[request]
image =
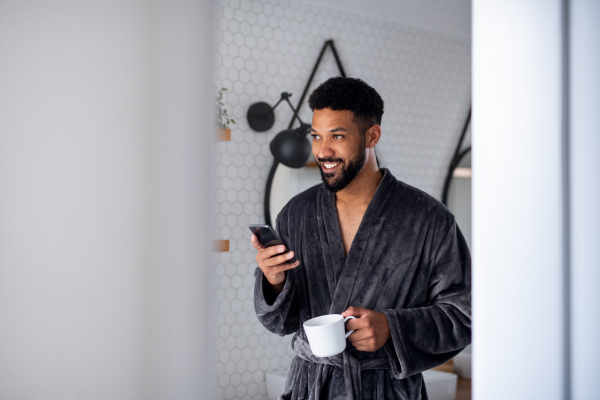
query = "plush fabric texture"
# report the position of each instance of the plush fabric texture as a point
(408, 260)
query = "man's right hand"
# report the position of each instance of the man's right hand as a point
(273, 266)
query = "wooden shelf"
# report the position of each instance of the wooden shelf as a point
(223, 135)
(462, 173)
(221, 246)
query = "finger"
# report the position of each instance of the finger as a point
(256, 243)
(359, 335)
(354, 311)
(278, 269)
(271, 262)
(357, 323)
(269, 252)
(366, 346)
(284, 267)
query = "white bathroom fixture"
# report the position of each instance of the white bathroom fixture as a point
(440, 385)
(462, 363)
(275, 381)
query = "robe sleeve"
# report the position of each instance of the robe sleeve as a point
(423, 338)
(282, 316)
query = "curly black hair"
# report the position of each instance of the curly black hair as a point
(349, 94)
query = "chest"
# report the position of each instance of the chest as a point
(386, 253)
(350, 219)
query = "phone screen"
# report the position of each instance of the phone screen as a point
(267, 237)
(265, 234)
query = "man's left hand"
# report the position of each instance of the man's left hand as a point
(371, 328)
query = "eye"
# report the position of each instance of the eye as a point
(315, 137)
(338, 137)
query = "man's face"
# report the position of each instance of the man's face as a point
(338, 147)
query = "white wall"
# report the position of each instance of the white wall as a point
(535, 209)
(265, 47)
(452, 17)
(517, 231)
(585, 195)
(103, 254)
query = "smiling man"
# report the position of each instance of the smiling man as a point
(369, 246)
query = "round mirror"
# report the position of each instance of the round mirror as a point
(459, 196)
(289, 182)
(459, 204)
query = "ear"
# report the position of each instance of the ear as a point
(373, 135)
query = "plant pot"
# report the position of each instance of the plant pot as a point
(223, 134)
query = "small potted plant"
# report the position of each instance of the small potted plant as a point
(222, 118)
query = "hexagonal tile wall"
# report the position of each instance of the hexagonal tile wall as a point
(266, 47)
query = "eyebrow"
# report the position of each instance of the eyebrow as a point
(338, 129)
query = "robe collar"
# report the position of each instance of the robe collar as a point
(342, 271)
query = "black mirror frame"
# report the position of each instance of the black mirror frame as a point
(267, 200)
(456, 158)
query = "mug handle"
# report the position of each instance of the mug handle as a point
(346, 320)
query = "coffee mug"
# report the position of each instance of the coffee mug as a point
(327, 334)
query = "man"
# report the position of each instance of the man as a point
(370, 246)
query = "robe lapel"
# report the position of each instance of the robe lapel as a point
(329, 232)
(346, 270)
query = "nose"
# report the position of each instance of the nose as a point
(322, 149)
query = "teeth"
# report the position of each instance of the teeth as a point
(330, 165)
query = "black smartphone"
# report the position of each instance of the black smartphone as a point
(268, 238)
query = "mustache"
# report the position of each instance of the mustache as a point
(330, 160)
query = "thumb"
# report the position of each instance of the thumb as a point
(354, 312)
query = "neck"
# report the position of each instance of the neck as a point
(362, 188)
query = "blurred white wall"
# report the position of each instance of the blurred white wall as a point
(517, 231)
(585, 198)
(536, 185)
(105, 133)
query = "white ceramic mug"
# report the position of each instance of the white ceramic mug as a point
(327, 334)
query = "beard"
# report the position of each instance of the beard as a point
(347, 173)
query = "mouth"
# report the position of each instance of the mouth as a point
(329, 167)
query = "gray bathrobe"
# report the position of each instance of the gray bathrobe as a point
(408, 260)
